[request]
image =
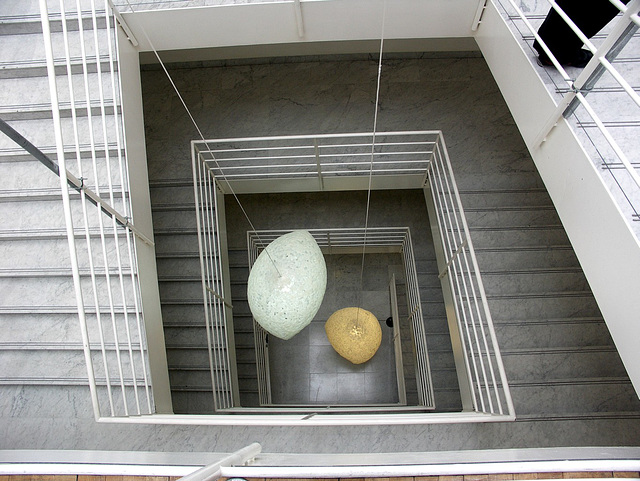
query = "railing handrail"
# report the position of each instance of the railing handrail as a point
(591, 73)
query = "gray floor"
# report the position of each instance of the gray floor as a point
(307, 370)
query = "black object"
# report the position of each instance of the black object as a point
(389, 321)
(589, 16)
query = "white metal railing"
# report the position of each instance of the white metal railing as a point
(355, 239)
(108, 299)
(261, 344)
(483, 363)
(319, 162)
(612, 137)
(217, 305)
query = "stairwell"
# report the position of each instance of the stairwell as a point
(559, 357)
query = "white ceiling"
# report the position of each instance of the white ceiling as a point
(329, 26)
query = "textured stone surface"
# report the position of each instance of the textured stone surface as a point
(354, 333)
(287, 284)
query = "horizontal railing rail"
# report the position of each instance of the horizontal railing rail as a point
(319, 160)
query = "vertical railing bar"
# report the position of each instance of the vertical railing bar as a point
(412, 272)
(419, 381)
(74, 122)
(462, 240)
(210, 249)
(126, 187)
(224, 296)
(211, 275)
(258, 340)
(483, 336)
(57, 126)
(220, 324)
(436, 188)
(215, 283)
(100, 222)
(474, 329)
(127, 211)
(455, 279)
(197, 196)
(485, 304)
(463, 274)
(85, 76)
(111, 198)
(418, 329)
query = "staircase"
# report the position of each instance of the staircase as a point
(41, 352)
(180, 283)
(564, 372)
(556, 347)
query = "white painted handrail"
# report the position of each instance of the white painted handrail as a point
(579, 87)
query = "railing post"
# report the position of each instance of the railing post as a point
(316, 150)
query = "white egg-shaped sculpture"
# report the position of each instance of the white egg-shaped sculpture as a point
(287, 283)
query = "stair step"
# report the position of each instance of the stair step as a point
(531, 280)
(199, 379)
(520, 258)
(552, 333)
(192, 402)
(543, 305)
(183, 220)
(42, 399)
(165, 193)
(575, 396)
(184, 289)
(178, 243)
(187, 265)
(562, 363)
(543, 236)
(479, 199)
(512, 217)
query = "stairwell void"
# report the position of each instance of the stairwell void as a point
(308, 376)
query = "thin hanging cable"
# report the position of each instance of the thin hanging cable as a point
(193, 121)
(373, 146)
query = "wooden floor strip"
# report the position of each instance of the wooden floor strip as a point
(466, 477)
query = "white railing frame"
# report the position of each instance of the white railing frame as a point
(356, 238)
(313, 152)
(471, 307)
(213, 288)
(109, 342)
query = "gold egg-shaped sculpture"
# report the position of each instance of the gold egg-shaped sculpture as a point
(354, 333)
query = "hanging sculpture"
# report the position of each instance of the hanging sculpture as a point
(354, 333)
(287, 284)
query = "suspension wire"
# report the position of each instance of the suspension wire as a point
(373, 146)
(195, 124)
